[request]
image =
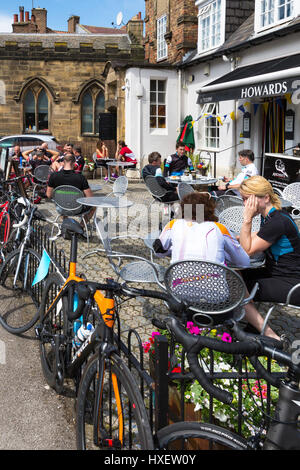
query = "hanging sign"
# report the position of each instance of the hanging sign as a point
(289, 124)
(247, 125)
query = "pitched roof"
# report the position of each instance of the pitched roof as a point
(102, 30)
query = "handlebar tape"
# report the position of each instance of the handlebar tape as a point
(194, 344)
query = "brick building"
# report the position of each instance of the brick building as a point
(58, 82)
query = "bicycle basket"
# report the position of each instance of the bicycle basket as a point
(211, 292)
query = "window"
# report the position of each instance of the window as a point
(211, 126)
(158, 104)
(211, 25)
(36, 110)
(162, 48)
(92, 105)
(272, 12)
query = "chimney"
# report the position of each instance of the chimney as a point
(21, 9)
(40, 15)
(135, 28)
(72, 22)
(27, 16)
(16, 18)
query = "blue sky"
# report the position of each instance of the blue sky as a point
(91, 12)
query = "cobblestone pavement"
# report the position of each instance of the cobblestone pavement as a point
(34, 417)
(137, 313)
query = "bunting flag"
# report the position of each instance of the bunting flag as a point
(266, 106)
(219, 120)
(232, 115)
(256, 106)
(43, 268)
(288, 97)
(241, 108)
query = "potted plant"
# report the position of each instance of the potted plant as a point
(88, 169)
(254, 392)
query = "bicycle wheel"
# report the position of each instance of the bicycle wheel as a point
(20, 299)
(187, 435)
(123, 420)
(54, 322)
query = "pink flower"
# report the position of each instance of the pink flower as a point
(194, 330)
(155, 333)
(226, 338)
(146, 346)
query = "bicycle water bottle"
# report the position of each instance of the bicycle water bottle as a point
(83, 333)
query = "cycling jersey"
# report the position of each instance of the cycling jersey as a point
(175, 165)
(208, 241)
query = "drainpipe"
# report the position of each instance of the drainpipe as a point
(179, 98)
(139, 95)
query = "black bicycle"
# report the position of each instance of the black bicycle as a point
(283, 431)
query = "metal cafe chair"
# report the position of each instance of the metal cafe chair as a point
(232, 218)
(137, 270)
(292, 193)
(225, 201)
(40, 178)
(119, 187)
(158, 192)
(212, 292)
(65, 199)
(184, 189)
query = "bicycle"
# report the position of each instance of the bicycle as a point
(281, 434)
(17, 274)
(63, 304)
(11, 213)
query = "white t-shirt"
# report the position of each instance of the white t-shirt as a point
(246, 172)
(207, 241)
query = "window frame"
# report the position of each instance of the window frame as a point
(94, 97)
(203, 7)
(36, 95)
(161, 43)
(211, 123)
(157, 129)
(276, 22)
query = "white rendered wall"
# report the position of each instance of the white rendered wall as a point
(138, 135)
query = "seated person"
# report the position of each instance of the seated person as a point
(246, 159)
(67, 176)
(177, 162)
(101, 154)
(278, 237)
(208, 240)
(79, 159)
(124, 154)
(38, 158)
(154, 169)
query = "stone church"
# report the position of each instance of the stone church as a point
(58, 82)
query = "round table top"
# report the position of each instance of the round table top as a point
(119, 163)
(95, 187)
(106, 202)
(203, 180)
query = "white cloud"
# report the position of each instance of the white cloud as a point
(5, 23)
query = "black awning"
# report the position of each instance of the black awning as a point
(254, 81)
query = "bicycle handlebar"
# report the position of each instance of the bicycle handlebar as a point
(248, 345)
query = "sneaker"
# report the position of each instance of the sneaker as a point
(37, 200)
(115, 176)
(106, 178)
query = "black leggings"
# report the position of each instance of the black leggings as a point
(271, 289)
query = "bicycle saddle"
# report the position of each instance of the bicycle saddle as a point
(71, 226)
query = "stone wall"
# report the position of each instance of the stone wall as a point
(64, 67)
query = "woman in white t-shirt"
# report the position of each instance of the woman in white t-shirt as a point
(198, 236)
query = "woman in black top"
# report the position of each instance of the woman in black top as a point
(278, 237)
